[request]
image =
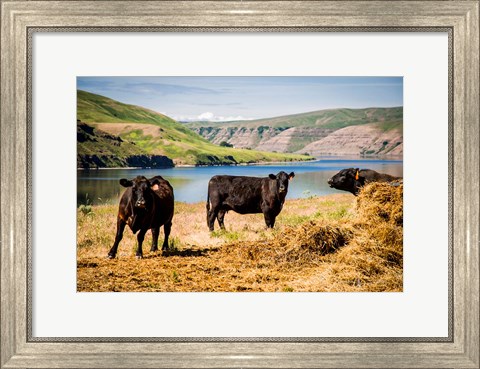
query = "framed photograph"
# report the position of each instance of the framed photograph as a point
(288, 207)
(310, 170)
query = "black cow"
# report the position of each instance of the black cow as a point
(246, 195)
(352, 179)
(145, 204)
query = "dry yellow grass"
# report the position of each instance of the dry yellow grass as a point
(331, 243)
(120, 128)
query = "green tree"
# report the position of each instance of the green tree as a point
(225, 144)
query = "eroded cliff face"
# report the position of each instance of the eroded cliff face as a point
(240, 137)
(368, 139)
(264, 138)
(293, 139)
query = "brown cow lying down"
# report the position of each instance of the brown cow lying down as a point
(246, 195)
(352, 179)
(145, 204)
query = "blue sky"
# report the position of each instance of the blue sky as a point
(232, 98)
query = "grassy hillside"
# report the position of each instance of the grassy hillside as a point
(330, 118)
(390, 126)
(92, 108)
(293, 133)
(92, 141)
(98, 149)
(157, 134)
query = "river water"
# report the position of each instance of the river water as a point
(190, 184)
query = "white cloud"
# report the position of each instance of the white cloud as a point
(206, 116)
(220, 118)
(209, 117)
(238, 117)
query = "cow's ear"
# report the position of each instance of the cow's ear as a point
(291, 175)
(272, 176)
(126, 183)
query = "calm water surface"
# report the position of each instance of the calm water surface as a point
(190, 184)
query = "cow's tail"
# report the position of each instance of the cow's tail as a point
(208, 201)
(208, 208)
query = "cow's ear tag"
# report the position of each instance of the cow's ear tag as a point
(356, 175)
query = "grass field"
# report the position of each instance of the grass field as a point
(331, 243)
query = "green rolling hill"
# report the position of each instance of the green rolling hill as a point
(329, 118)
(360, 129)
(146, 132)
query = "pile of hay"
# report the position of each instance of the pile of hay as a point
(312, 239)
(381, 202)
(363, 253)
(374, 256)
(302, 244)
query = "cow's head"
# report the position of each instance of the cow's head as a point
(141, 191)
(282, 179)
(347, 180)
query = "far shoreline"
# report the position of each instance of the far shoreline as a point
(322, 158)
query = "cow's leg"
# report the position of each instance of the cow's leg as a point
(140, 238)
(155, 233)
(118, 237)
(211, 215)
(167, 227)
(220, 217)
(269, 219)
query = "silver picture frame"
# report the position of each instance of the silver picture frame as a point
(19, 22)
